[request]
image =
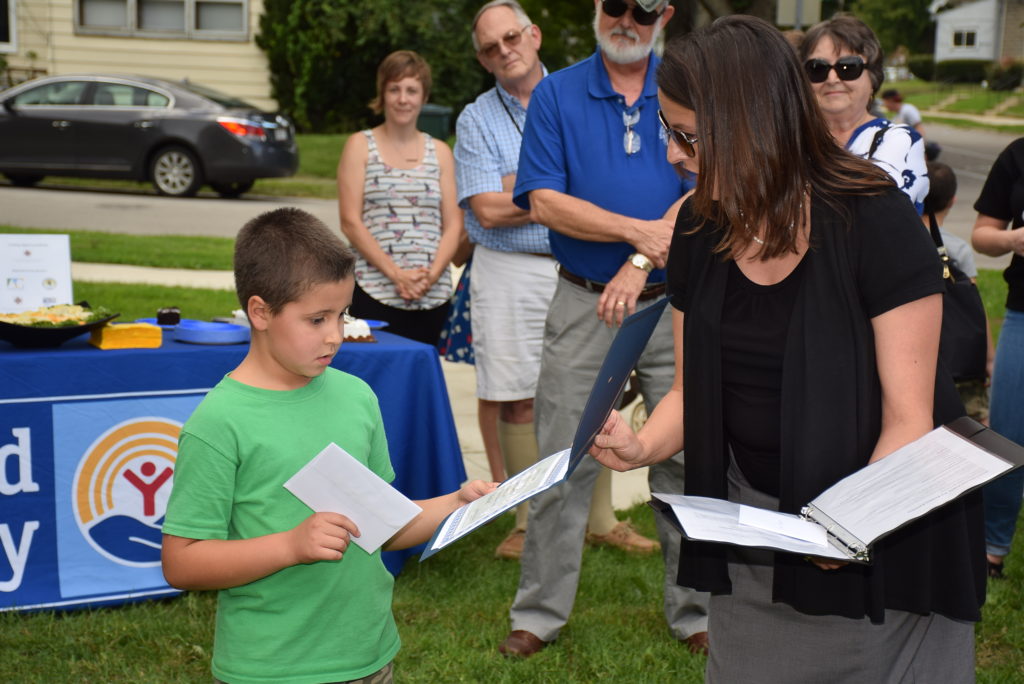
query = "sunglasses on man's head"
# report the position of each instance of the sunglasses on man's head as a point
(510, 39)
(847, 69)
(616, 8)
(685, 141)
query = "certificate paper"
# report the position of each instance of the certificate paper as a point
(335, 482)
(541, 475)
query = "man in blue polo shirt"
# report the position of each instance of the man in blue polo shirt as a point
(513, 274)
(592, 168)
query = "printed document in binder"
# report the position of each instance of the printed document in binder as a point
(848, 517)
(622, 356)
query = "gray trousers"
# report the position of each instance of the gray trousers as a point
(575, 344)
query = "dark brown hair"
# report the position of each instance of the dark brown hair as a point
(847, 31)
(762, 139)
(395, 67)
(283, 253)
(941, 188)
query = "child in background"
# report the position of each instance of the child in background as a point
(297, 602)
(940, 199)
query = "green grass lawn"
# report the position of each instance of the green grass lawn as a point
(452, 610)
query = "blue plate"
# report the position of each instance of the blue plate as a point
(208, 332)
(376, 325)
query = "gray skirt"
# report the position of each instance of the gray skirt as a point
(753, 639)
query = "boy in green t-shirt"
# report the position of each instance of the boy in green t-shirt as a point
(297, 603)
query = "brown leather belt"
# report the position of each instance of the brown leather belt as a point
(649, 292)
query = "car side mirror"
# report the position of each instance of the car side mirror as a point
(9, 106)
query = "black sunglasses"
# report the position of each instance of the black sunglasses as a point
(616, 8)
(510, 39)
(685, 141)
(847, 69)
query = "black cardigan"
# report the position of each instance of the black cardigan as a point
(831, 409)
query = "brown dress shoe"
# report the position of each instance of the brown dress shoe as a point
(624, 537)
(512, 546)
(521, 644)
(697, 643)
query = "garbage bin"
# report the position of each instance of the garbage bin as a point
(434, 119)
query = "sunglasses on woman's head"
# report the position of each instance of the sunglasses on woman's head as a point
(510, 39)
(685, 141)
(847, 69)
(616, 8)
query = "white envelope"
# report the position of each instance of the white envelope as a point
(335, 482)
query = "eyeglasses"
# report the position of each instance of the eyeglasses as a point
(510, 39)
(616, 8)
(631, 139)
(685, 141)
(847, 69)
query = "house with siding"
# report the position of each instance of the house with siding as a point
(982, 29)
(210, 42)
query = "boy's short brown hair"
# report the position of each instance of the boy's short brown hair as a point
(395, 67)
(281, 254)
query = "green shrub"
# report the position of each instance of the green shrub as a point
(922, 66)
(1004, 76)
(961, 70)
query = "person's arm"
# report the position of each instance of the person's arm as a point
(201, 564)
(618, 448)
(351, 178)
(434, 512)
(906, 351)
(990, 236)
(496, 209)
(586, 221)
(451, 215)
(619, 297)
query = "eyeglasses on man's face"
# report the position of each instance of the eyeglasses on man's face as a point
(847, 69)
(616, 8)
(685, 141)
(510, 40)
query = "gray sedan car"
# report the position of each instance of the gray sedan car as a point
(179, 135)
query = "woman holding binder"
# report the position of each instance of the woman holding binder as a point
(807, 314)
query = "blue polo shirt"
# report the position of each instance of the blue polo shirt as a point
(573, 143)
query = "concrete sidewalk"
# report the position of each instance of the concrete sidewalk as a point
(628, 489)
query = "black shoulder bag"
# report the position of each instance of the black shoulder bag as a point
(963, 344)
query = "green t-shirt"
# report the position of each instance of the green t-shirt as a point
(317, 622)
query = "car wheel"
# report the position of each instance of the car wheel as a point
(232, 190)
(175, 171)
(23, 180)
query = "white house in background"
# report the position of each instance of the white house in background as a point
(210, 42)
(983, 29)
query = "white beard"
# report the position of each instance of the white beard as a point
(625, 54)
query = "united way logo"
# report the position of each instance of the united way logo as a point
(121, 488)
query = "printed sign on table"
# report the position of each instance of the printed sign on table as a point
(35, 271)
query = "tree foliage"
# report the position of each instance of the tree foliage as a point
(905, 23)
(323, 54)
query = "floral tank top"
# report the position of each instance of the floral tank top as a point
(402, 210)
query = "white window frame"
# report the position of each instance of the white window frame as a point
(191, 32)
(965, 31)
(11, 46)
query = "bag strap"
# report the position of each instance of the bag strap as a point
(876, 141)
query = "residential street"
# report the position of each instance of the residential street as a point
(969, 151)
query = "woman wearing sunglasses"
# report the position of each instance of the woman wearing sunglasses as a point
(806, 315)
(843, 59)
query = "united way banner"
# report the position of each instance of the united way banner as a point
(83, 490)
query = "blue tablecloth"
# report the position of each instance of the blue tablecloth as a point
(75, 420)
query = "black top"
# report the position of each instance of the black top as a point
(867, 256)
(755, 320)
(1002, 197)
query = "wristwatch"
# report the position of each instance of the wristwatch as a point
(641, 262)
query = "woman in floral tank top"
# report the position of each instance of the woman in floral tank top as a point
(396, 189)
